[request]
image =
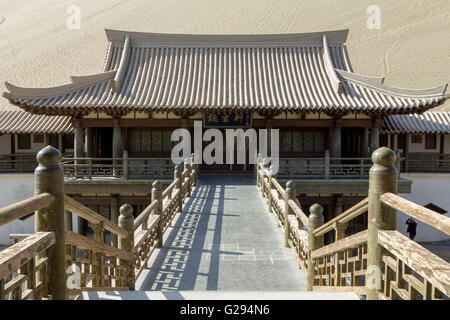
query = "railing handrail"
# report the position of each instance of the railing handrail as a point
(298, 212)
(340, 245)
(145, 213)
(17, 255)
(353, 212)
(86, 213)
(425, 215)
(83, 242)
(278, 187)
(22, 208)
(431, 267)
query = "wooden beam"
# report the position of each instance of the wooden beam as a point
(83, 242)
(346, 243)
(425, 215)
(92, 216)
(347, 215)
(22, 208)
(14, 257)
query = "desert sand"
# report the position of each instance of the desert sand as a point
(411, 48)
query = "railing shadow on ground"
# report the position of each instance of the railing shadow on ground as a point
(186, 242)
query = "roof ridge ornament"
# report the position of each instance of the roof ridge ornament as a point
(329, 67)
(123, 65)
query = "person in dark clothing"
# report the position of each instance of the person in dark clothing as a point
(412, 226)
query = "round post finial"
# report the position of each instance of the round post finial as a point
(316, 209)
(290, 185)
(315, 218)
(156, 185)
(48, 156)
(384, 156)
(126, 212)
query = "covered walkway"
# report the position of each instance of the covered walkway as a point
(225, 239)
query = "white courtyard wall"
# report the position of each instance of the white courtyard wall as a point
(426, 188)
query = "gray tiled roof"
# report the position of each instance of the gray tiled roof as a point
(290, 72)
(428, 122)
(18, 121)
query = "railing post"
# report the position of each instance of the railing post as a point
(398, 162)
(89, 169)
(327, 164)
(258, 159)
(178, 175)
(382, 178)
(315, 220)
(269, 194)
(194, 168)
(187, 167)
(264, 171)
(361, 168)
(125, 165)
(100, 272)
(49, 178)
(157, 195)
(126, 221)
(290, 194)
(340, 229)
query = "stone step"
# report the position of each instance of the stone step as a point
(216, 295)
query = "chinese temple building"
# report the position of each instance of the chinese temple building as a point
(302, 84)
(151, 83)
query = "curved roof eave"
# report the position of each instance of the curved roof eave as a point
(78, 82)
(378, 84)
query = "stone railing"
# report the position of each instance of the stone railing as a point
(379, 263)
(427, 162)
(57, 263)
(324, 168)
(125, 168)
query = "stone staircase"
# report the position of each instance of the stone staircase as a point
(217, 295)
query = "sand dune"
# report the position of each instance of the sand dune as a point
(412, 48)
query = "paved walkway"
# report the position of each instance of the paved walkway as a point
(225, 239)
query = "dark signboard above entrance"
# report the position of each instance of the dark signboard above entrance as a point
(228, 119)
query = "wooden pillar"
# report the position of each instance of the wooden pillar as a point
(68, 221)
(406, 151)
(365, 143)
(60, 143)
(126, 221)
(157, 195)
(114, 213)
(89, 142)
(327, 165)
(338, 207)
(78, 142)
(336, 149)
(290, 194)
(117, 146)
(441, 163)
(382, 179)
(374, 139)
(49, 178)
(78, 146)
(315, 220)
